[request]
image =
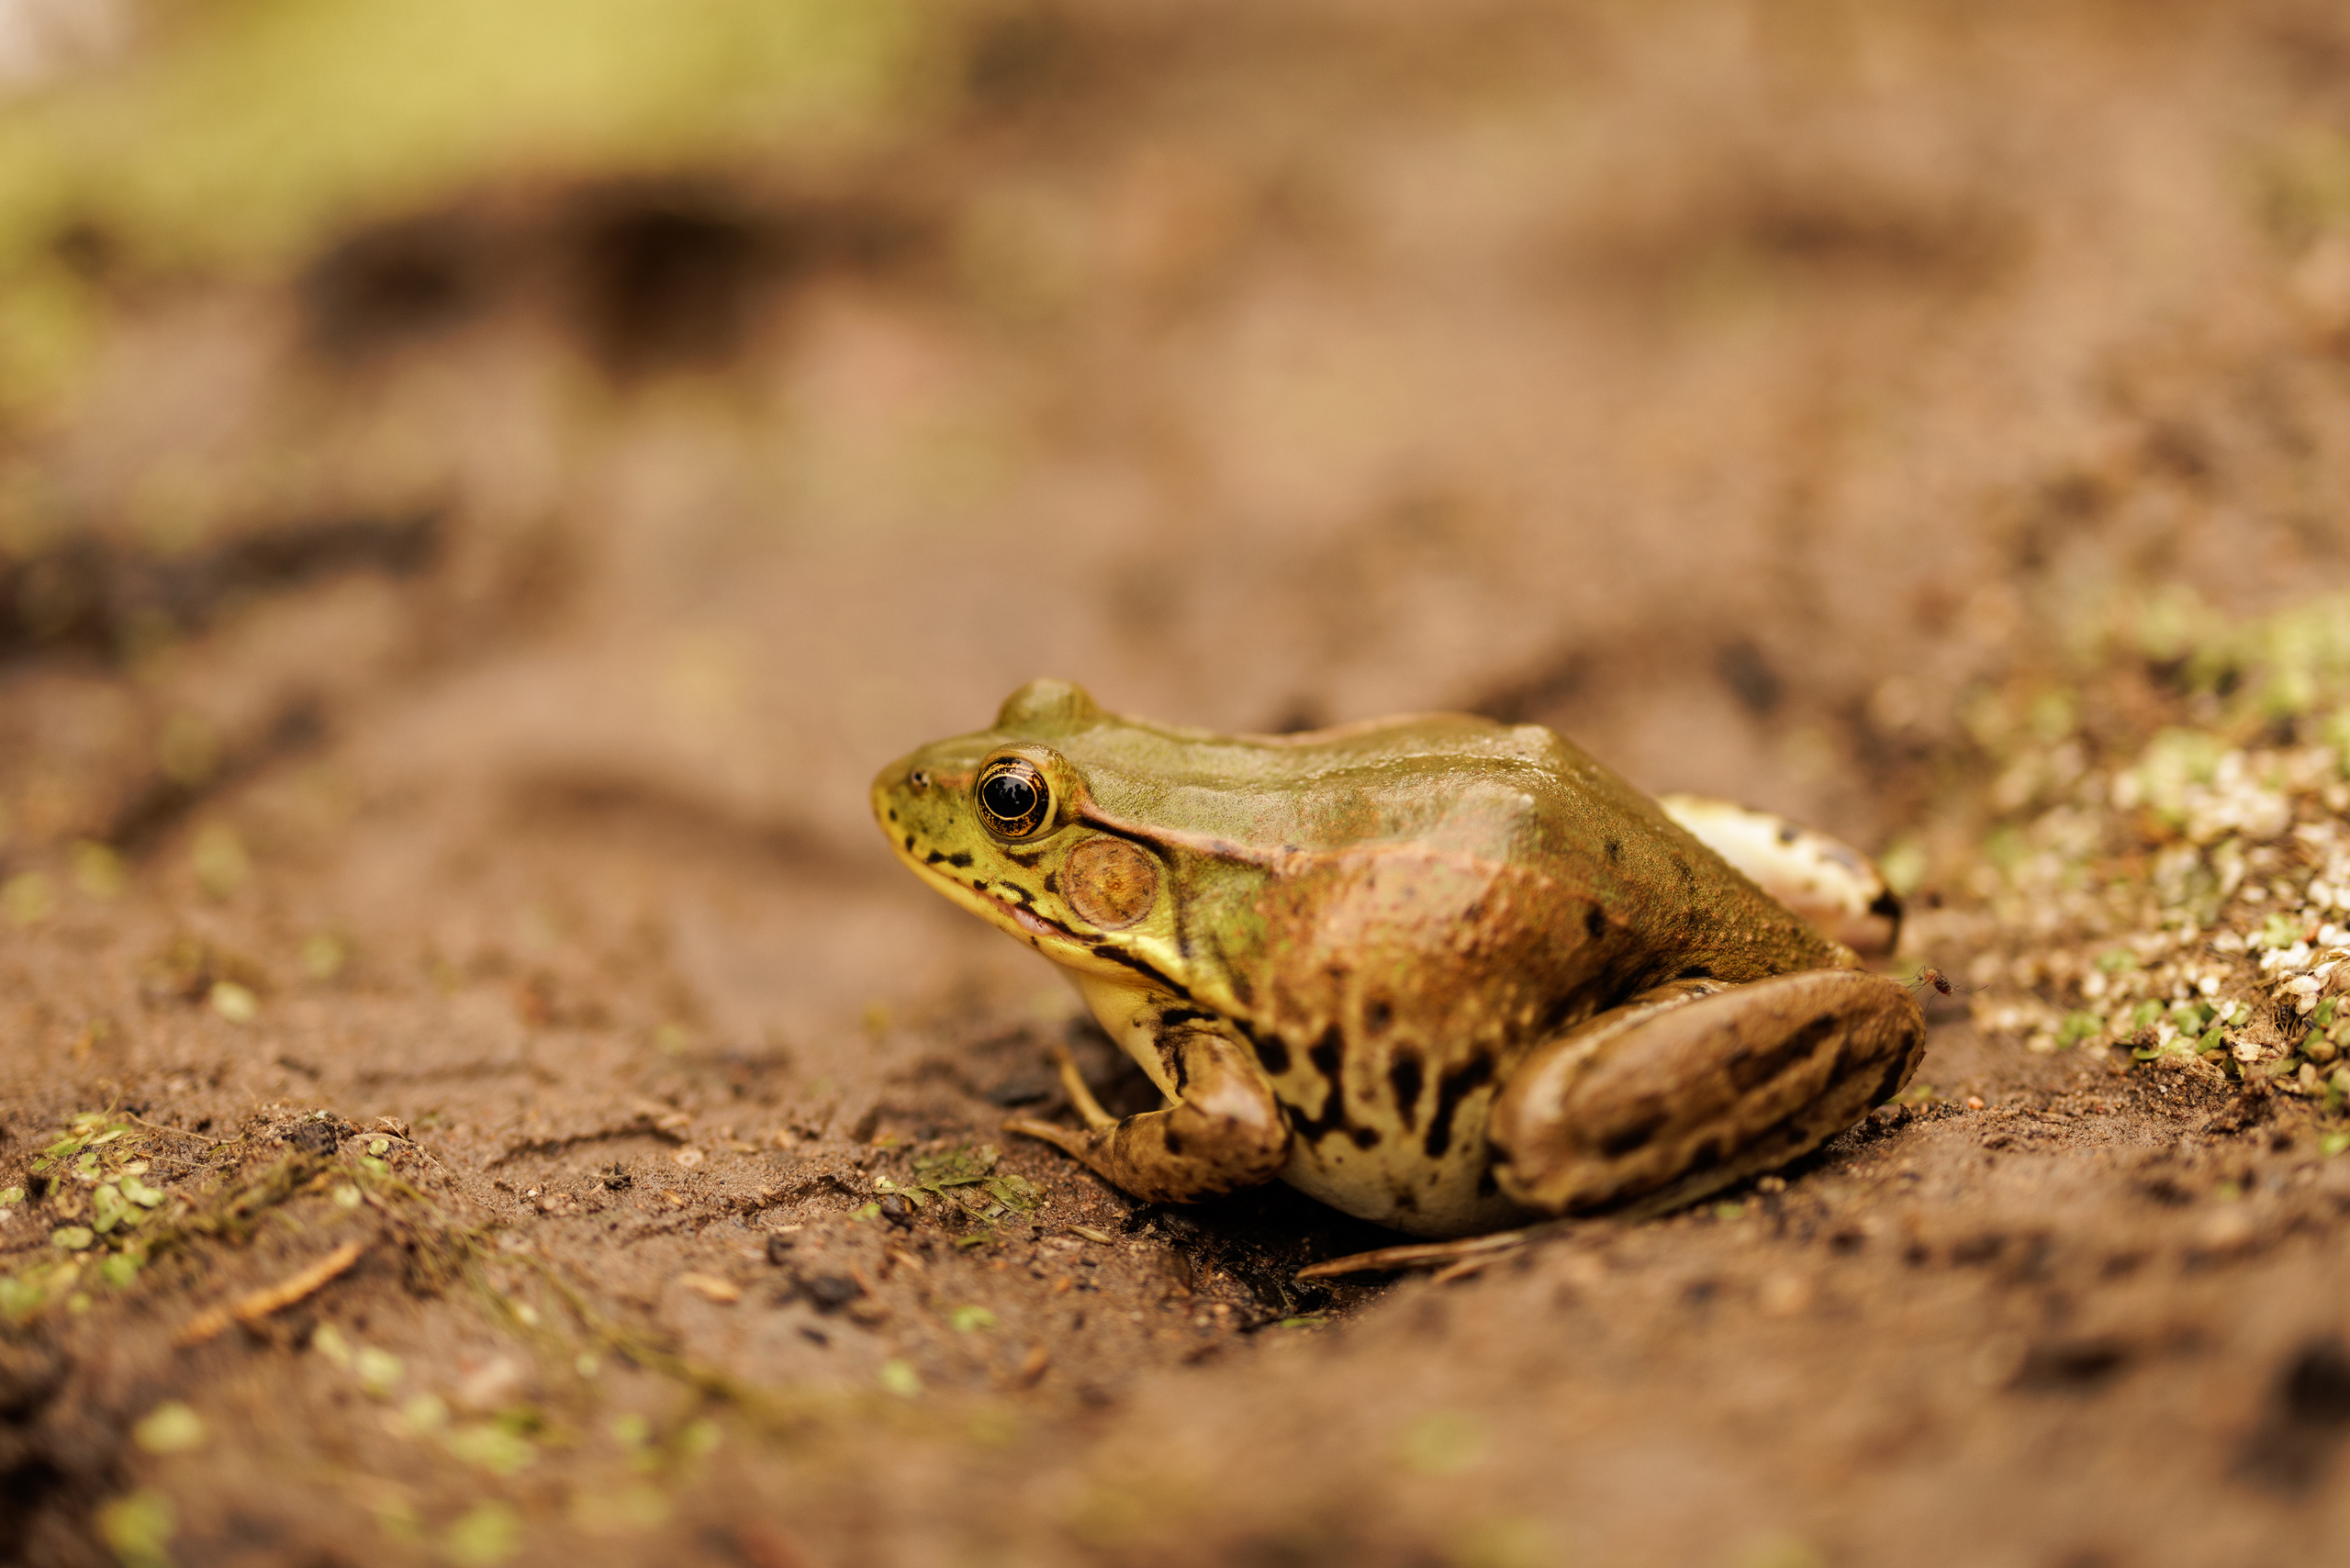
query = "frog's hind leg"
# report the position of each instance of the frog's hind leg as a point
(1668, 1100)
(1830, 883)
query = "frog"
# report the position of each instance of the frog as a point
(1443, 973)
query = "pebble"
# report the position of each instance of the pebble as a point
(709, 1287)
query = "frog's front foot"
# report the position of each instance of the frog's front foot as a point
(1663, 1103)
(1225, 1133)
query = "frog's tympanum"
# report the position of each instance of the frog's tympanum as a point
(1439, 972)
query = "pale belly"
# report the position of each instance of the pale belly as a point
(1400, 1187)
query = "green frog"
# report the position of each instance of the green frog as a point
(1440, 972)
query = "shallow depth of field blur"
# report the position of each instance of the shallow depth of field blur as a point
(483, 488)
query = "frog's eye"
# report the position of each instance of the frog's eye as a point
(1013, 798)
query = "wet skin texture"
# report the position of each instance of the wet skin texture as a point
(1439, 972)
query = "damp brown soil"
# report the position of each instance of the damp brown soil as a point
(622, 1289)
(439, 671)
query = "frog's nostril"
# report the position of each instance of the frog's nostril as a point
(918, 778)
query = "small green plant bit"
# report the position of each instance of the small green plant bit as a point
(965, 1178)
(2185, 875)
(108, 1221)
(92, 1180)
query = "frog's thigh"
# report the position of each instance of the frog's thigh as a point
(1225, 1132)
(1680, 1100)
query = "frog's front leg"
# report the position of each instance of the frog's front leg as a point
(1224, 1132)
(1672, 1097)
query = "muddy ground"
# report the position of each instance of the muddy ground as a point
(439, 671)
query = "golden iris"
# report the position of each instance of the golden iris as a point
(1013, 799)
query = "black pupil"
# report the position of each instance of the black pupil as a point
(1008, 795)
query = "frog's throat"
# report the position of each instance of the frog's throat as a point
(1051, 938)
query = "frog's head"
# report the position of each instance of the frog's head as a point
(1004, 823)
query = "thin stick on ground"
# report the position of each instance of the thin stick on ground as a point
(252, 1308)
(176, 1132)
(1416, 1255)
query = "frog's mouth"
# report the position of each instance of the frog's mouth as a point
(1010, 913)
(988, 906)
(1029, 921)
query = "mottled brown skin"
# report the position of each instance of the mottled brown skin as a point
(1439, 972)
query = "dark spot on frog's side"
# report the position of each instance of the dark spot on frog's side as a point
(909, 844)
(1173, 1139)
(1451, 1089)
(1325, 1055)
(1788, 832)
(1365, 1137)
(1595, 922)
(1272, 1052)
(1377, 1015)
(1406, 1076)
(1615, 849)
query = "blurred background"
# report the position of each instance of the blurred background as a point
(483, 488)
(427, 417)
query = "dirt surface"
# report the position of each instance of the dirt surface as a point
(440, 674)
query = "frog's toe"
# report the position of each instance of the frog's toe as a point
(1831, 884)
(1685, 1099)
(1080, 1096)
(1067, 1140)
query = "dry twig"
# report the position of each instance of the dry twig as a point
(1416, 1255)
(214, 1322)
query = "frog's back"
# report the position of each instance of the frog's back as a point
(1519, 802)
(1452, 780)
